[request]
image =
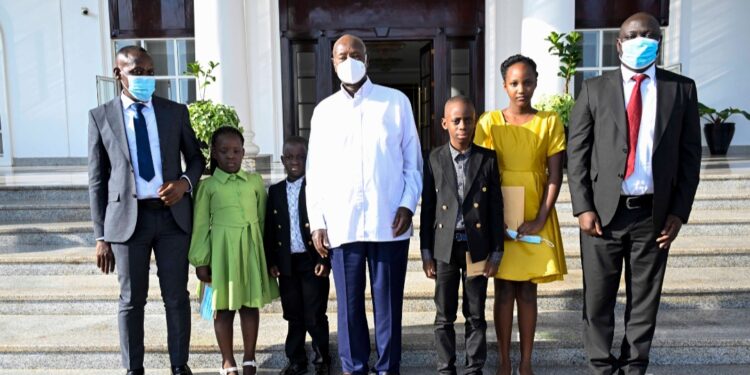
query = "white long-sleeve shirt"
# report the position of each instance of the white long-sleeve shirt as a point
(364, 162)
(642, 180)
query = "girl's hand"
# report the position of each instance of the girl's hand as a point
(321, 270)
(531, 227)
(203, 273)
(274, 271)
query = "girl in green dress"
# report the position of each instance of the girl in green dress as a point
(227, 248)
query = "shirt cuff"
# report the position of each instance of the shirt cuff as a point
(495, 258)
(190, 190)
(426, 255)
(100, 238)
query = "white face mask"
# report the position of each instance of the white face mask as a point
(351, 71)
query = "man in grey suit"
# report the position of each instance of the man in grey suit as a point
(140, 202)
(633, 167)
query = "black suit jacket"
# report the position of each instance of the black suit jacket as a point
(598, 146)
(482, 207)
(114, 205)
(277, 236)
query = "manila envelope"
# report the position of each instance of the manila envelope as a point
(513, 202)
(474, 268)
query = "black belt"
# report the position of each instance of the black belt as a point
(460, 236)
(151, 204)
(634, 202)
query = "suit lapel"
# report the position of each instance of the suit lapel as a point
(472, 168)
(448, 170)
(617, 101)
(162, 123)
(116, 121)
(302, 209)
(665, 94)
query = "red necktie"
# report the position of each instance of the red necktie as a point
(635, 108)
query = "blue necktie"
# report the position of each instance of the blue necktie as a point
(145, 162)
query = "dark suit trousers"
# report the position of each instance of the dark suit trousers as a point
(304, 299)
(155, 229)
(387, 262)
(449, 275)
(630, 239)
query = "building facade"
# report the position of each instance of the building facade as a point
(56, 57)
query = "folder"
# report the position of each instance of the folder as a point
(513, 206)
(474, 268)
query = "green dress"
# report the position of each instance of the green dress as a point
(227, 236)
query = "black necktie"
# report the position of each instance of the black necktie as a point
(145, 162)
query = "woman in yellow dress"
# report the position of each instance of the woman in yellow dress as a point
(529, 146)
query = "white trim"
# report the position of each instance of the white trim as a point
(6, 157)
(63, 71)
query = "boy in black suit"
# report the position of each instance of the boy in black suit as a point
(302, 273)
(462, 221)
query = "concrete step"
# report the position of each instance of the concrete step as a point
(44, 213)
(90, 341)
(695, 288)
(61, 193)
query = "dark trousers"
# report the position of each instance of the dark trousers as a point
(449, 275)
(630, 239)
(157, 230)
(387, 263)
(304, 299)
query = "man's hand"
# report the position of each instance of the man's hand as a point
(172, 191)
(671, 228)
(589, 223)
(274, 271)
(320, 241)
(203, 273)
(402, 221)
(105, 258)
(490, 269)
(429, 268)
(321, 270)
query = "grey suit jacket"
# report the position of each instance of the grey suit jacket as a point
(482, 207)
(598, 146)
(114, 205)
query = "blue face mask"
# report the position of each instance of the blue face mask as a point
(638, 53)
(141, 87)
(528, 238)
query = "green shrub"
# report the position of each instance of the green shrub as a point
(560, 103)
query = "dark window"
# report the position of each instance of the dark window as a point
(151, 19)
(601, 14)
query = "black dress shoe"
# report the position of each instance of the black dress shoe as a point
(294, 369)
(181, 370)
(323, 368)
(135, 372)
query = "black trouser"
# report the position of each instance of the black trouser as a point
(304, 299)
(449, 275)
(155, 229)
(630, 239)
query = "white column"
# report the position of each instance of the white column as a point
(502, 39)
(221, 36)
(540, 17)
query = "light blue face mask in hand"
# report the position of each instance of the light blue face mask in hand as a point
(532, 239)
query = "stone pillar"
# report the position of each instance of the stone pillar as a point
(539, 18)
(502, 39)
(221, 36)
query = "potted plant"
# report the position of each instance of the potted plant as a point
(205, 115)
(718, 132)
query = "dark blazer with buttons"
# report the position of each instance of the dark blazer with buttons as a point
(277, 236)
(482, 207)
(597, 146)
(114, 205)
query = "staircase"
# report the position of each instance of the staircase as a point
(58, 312)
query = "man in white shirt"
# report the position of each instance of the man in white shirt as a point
(633, 167)
(364, 179)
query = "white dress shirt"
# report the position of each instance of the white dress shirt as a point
(292, 198)
(364, 162)
(143, 189)
(642, 180)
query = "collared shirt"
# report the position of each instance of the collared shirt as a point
(364, 162)
(143, 189)
(292, 198)
(642, 180)
(460, 161)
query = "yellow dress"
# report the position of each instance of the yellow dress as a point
(522, 152)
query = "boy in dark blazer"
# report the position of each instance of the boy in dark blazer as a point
(302, 273)
(462, 221)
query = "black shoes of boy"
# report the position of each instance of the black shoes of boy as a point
(181, 370)
(136, 372)
(294, 369)
(322, 368)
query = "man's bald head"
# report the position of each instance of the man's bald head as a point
(348, 41)
(640, 24)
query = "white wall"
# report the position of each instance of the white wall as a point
(53, 54)
(714, 37)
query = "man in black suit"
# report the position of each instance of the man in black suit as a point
(140, 202)
(462, 222)
(633, 167)
(302, 272)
